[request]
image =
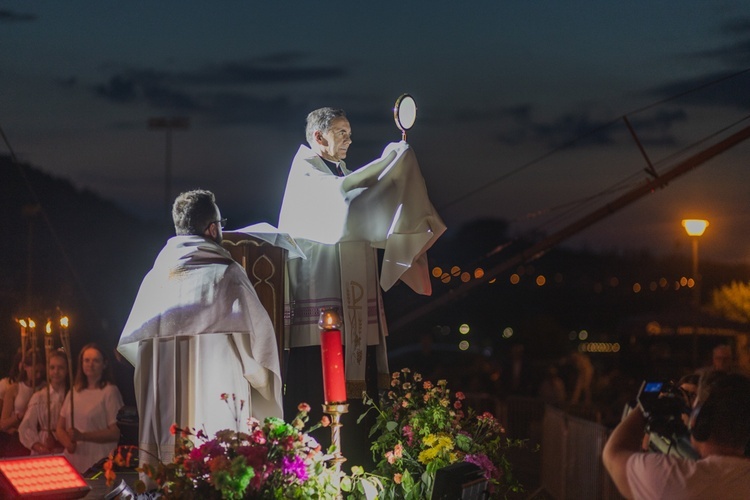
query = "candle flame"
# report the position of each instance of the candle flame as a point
(23, 323)
(31, 323)
(48, 328)
(64, 322)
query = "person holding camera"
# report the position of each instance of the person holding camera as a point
(719, 427)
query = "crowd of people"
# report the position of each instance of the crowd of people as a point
(44, 413)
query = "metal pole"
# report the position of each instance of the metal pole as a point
(696, 276)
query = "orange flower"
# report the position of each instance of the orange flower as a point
(173, 429)
(325, 421)
(398, 450)
(397, 478)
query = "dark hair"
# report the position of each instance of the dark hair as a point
(81, 382)
(15, 367)
(28, 360)
(193, 211)
(723, 414)
(321, 119)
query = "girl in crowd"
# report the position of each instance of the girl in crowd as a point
(12, 378)
(17, 398)
(36, 431)
(92, 433)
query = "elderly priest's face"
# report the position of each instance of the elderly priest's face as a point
(335, 142)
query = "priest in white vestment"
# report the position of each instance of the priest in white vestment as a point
(197, 331)
(339, 218)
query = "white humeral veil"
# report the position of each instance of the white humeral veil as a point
(196, 331)
(338, 229)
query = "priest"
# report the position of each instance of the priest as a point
(203, 346)
(339, 218)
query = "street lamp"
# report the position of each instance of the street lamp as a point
(168, 124)
(694, 229)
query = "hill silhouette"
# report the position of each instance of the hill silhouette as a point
(67, 250)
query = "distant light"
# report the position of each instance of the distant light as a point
(493, 280)
(676, 285)
(636, 287)
(663, 282)
(541, 280)
(690, 283)
(695, 227)
(464, 329)
(463, 345)
(478, 273)
(465, 277)
(445, 278)
(507, 332)
(573, 336)
(583, 335)
(437, 272)
(514, 279)
(653, 286)
(455, 271)
(683, 281)
(613, 281)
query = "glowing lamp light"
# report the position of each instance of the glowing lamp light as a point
(695, 227)
(48, 328)
(464, 329)
(23, 323)
(41, 477)
(64, 322)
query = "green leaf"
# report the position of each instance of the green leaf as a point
(391, 426)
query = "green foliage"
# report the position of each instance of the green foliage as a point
(421, 427)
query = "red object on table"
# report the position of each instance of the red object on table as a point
(332, 354)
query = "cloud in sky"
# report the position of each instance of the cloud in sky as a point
(9, 16)
(217, 92)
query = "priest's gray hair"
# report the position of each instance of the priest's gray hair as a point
(193, 211)
(321, 119)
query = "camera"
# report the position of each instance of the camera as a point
(666, 408)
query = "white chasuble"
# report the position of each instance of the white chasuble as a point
(338, 223)
(196, 331)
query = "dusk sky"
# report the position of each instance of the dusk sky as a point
(500, 86)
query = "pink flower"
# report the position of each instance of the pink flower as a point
(390, 457)
(457, 405)
(325, 421)
(173, 429)
(398, 450)
(427, 385)
(303, 407)
(460, 396)
(224, 396)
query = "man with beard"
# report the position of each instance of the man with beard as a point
(197, 335)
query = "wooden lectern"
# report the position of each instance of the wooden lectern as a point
(265, 265)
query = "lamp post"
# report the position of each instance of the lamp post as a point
(168, 124)
(695, 228)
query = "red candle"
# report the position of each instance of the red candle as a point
(332, 356)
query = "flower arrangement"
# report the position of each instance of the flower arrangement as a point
(422, 428)
(274, 460)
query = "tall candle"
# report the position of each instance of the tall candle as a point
(24, 336)
(65, 339)
(48, 344)
(332, 356)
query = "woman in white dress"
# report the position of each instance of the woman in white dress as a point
(39, 424)
(16, 399)
(91, 432)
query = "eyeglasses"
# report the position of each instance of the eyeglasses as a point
(221, 222)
